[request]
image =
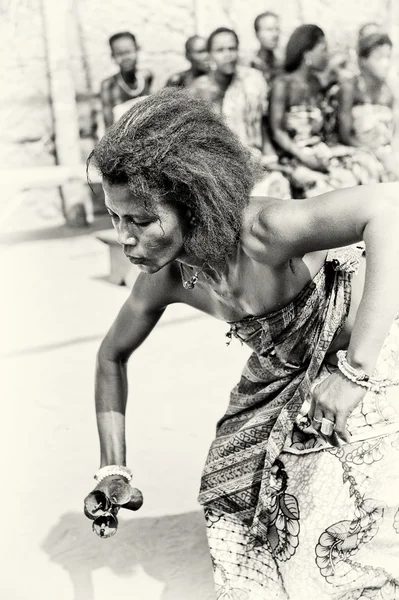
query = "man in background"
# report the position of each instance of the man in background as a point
(197, 55)
(121, 90)
(267, 30)
(240, 94)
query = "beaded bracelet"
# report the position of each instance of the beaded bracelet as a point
(359, 376)
(113, 470)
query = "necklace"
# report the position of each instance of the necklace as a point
(133, 93)
(189, 284)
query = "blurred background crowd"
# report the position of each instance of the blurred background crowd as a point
(317, 121)
(310, 87)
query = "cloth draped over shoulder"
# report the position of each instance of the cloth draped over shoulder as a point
(289, 347)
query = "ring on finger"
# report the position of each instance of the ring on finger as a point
(327, 427)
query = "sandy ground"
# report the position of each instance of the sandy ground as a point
(56, 305)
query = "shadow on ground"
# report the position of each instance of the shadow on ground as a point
(170, 549)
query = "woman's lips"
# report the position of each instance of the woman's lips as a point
(134, 260)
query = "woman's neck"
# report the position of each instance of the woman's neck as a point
(304, 72)
(373, 84)
(129, 77)
(223, 80)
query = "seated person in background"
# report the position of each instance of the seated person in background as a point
(296, 114)
(238, 93)
(365, 116)
(121, 90)
(343, 64)
(197, 56)
(267, 30)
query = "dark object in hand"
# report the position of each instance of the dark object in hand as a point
(103, 503)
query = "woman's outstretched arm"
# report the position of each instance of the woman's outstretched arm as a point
(343, 217)
(137, 318)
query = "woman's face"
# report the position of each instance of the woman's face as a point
(124, 53)
(318, 56)
(151, 239)
(379, 61)
(224, 53)
(268, 32)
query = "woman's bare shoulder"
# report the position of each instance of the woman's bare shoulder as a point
(258, 229)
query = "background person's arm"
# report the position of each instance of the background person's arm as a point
(344, 114)
(277, 109)
(106, 103)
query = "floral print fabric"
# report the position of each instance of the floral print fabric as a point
(334, 530)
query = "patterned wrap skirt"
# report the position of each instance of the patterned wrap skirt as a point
(288, 516)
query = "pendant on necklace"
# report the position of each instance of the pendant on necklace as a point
(189, 284)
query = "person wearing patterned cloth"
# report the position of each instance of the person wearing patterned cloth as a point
(300, 484)
(302, 125)
(239, 93)
(120, 91)
(366, 103)
(197, 56)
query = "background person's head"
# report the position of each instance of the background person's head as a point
(223, 46)
(374, 53)
(307, 45)
(197, 53)
(367, 29)
(124, 50)
(267, 30)
(171, 152)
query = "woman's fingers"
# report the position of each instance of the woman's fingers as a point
(317, 418)
(327, 428)
(340, 428)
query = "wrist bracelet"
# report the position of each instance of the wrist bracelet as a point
(113, 470)
(359, 376)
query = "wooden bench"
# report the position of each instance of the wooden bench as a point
(122, 272)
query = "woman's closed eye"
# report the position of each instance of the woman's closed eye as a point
(112, 215)
(141, 223)
(130, 220)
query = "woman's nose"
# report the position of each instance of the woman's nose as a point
(125, 237)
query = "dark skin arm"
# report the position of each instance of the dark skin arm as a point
(135, 321)
(277, 109)
(282, 230)
(346, 98)
(106, 102)
(150, 80)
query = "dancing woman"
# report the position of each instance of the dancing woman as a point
(300, 484)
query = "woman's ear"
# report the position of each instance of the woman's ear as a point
(307, 59)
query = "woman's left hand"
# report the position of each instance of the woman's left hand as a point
(333, 400)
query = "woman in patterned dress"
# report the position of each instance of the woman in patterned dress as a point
(299, 487)
(300, 122)
(366, 104)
